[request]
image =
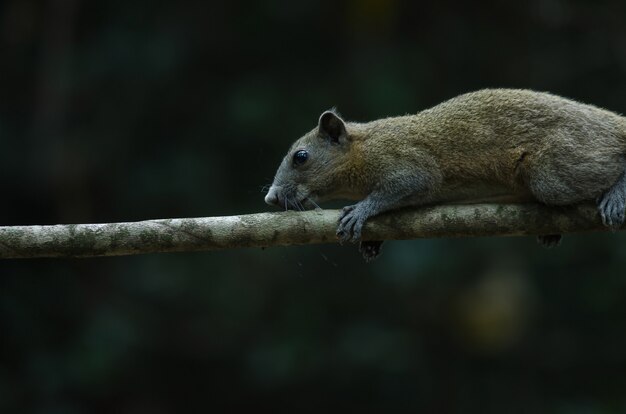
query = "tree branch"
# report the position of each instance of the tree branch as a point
(289, 228)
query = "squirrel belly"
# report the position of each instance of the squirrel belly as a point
(493, 144)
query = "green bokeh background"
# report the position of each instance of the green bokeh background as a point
(129, 110)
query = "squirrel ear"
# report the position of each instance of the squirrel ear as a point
(332, 127)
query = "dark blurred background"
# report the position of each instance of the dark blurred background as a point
(128, 110)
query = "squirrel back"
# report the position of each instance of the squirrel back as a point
(497, 141)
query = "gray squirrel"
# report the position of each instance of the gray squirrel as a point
(494, 144)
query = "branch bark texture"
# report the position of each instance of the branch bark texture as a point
(289, 228)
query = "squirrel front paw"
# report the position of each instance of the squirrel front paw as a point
(351, 223)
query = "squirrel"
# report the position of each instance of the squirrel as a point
(509, 145)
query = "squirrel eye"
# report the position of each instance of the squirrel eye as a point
(300, 157)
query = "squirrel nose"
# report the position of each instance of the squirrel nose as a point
(272, 197)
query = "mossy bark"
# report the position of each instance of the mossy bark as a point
(289, 228)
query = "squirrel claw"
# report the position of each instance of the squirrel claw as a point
(341, 236)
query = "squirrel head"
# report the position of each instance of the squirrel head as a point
(313, 168)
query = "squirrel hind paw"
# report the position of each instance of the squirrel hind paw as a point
(370, 250)
(611, 207)
(549, 241)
